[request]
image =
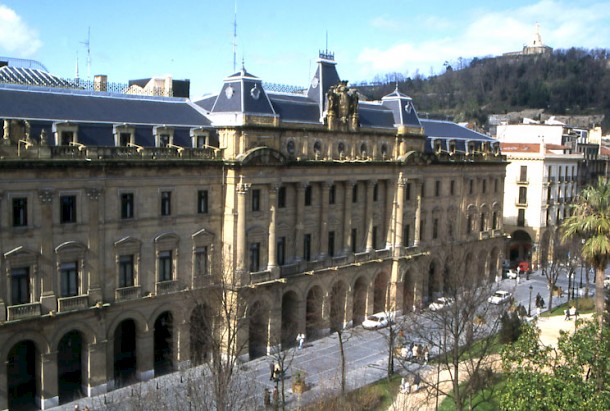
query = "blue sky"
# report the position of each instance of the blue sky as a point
(279, 40)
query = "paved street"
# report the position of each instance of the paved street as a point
(366, 354)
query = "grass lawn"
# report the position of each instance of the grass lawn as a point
(484, 400)
(584, 306)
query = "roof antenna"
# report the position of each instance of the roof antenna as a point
(77, 75)
(235, 38)
(87, 43)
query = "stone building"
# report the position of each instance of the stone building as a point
(120, 215)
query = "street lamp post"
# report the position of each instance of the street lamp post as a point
(529, 304)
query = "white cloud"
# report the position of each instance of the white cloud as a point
(16, 37)
(384, 23)
(563, 24)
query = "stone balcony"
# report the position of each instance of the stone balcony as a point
(22, 311)
(78, 302)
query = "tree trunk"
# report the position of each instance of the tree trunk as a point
(342, 357)
(599, 296)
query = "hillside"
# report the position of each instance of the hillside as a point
(567, 82)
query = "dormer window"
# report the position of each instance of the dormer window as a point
(496, 149)
(65, 134)
(341, 148)
(124, 135)
(438, 148)
(471, 147)
(363, 150)
(384, 150)
(317, 148)
(201, 138)
(452, 147)
(164, 136)
(290, 148)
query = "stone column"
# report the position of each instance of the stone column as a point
(94, 262)
(145, 355)
(49, 390)
(47, 263)
(242, 247)
(272, 258)
(417, 234)
(274, 341)
(298, 241)
(324, 188)
(3, 387)
(400, 212)
(347, 218)
(370, 185)
(97, 378)
(390, 209)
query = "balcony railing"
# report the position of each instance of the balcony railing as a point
(166, 287)
(483, 235)
(127, 293)
(19, 312)
(522, 181)
(79, 302)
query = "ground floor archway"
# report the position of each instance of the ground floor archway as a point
(125, 357)
(359, 301)
(70, 367)
(21, 376)
(163, 344)
(201, 337)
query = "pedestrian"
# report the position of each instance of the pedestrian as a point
(271, 370)
(300, 340)
(276, 395)
(277, 370)
(267, 397)
(416, 382)
(405, 388)
(426, 354)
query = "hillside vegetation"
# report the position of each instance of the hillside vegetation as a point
(567, 82)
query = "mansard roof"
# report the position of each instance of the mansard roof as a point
(39, 103)
(243, 93)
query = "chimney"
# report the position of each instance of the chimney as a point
(100, 82)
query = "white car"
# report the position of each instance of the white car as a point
(376, 321)
(440, 303)
(499, 297)
(512, 274)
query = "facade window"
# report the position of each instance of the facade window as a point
(423, 189)
(408, 192)
(165, 266)
(256, 200)
(126, 271)
(20, 212)
(202, 201)
(332, 194)
(281, 251)
(450, 231)
(471, 186)
(164, 140)
(494, 220)
(69, 279)
(127, 205)
(331, 243)
(376, 192)
(201, 261)
(374, 237)
(495, 185)
(435, 229)
(484, 188)
(166, 203)
(20, 285)
(550, 173)
(422, 229)
(308, 195)
(521, 217)
(307, 247)
(482, 222)
(523, 174)
(354, 238)
(522, 195)
(281, 197)
(67, 210)
(406, 241)
(469, 224)
(255, 257)
(452, 187)
(355, 193)
(437, 188)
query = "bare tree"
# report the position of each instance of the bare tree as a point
(458, 334)
(552, 260)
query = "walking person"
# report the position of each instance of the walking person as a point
(301, 340)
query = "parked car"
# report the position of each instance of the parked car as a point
(500, 297)
(512, 274)
(377, 321)
(440, 303)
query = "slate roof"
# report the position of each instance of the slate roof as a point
(83, 106)
(31, 76)
(446, 131)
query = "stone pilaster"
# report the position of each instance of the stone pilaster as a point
(94, 261)
(299, 220)
(272, 257)
(97, 379)
(242, 247)
(145, 348)
(49, 390)
(370, 186)
(324, 188)
(47, 265)
(347, 217)
(418, 211)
